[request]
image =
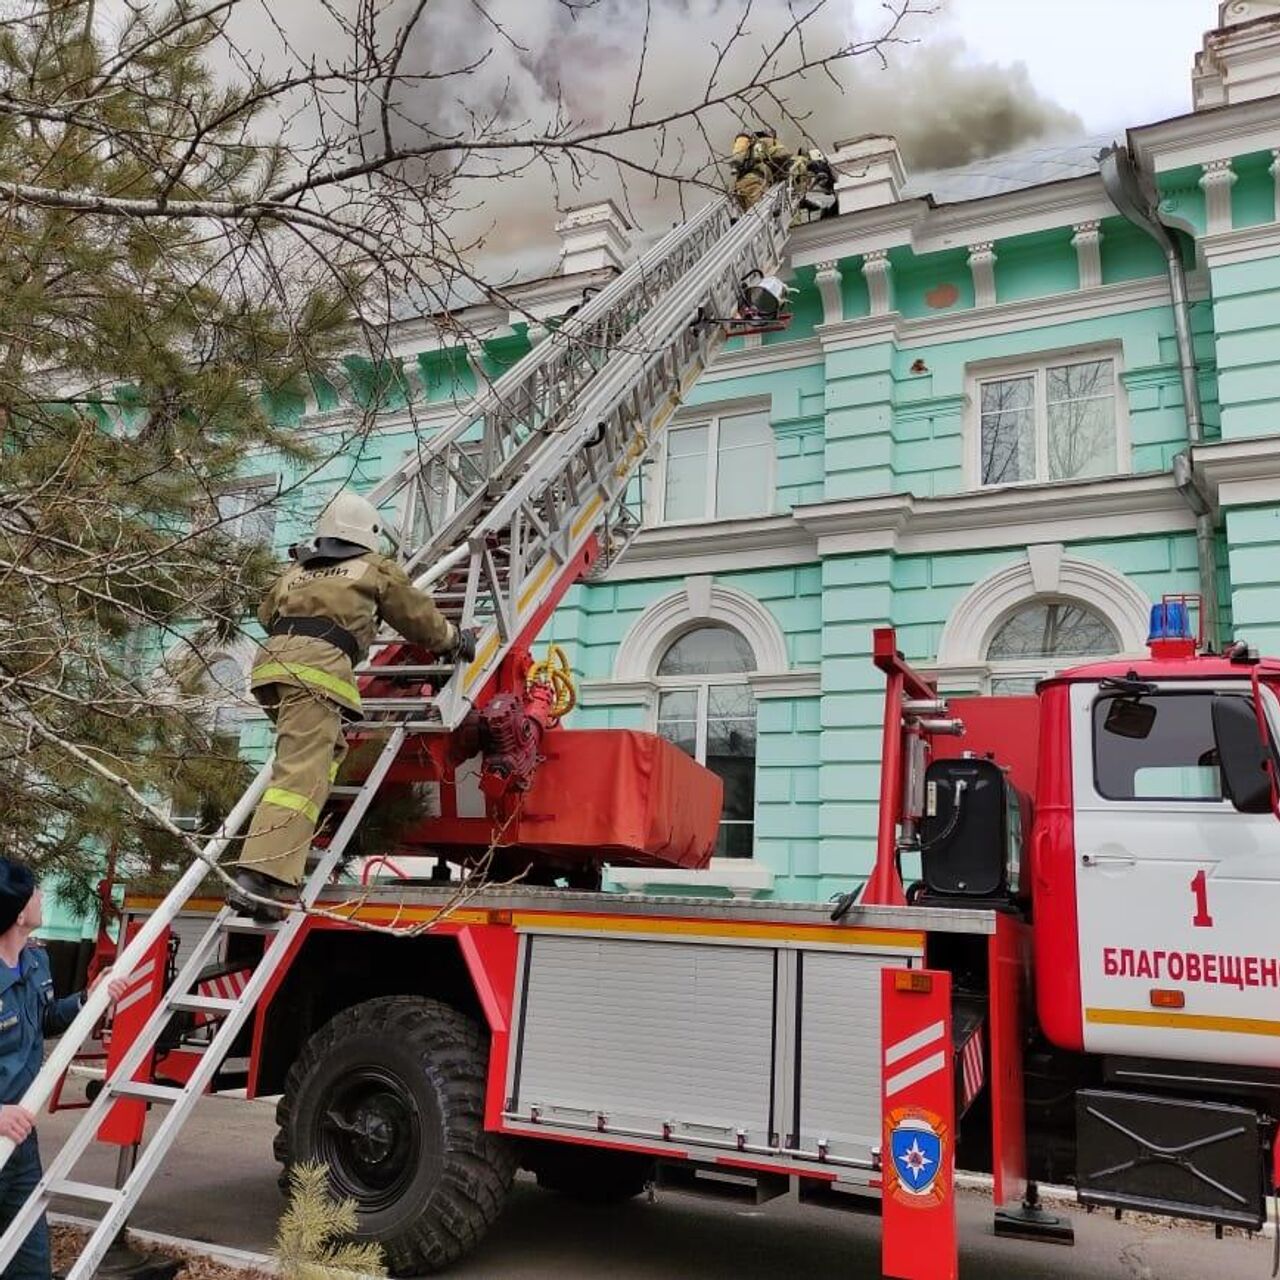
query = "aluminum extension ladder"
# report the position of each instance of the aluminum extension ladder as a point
(499, 504)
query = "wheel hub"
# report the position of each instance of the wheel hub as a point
(370, 1134)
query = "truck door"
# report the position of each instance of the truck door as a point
(1177, 891)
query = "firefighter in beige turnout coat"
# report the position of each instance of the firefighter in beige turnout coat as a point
(321, 615)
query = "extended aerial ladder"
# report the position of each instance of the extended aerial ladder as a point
(499, 513)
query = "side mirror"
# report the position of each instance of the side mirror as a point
(1242, 755)
(1130, 718)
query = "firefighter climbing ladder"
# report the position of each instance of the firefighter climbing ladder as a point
(500, 506)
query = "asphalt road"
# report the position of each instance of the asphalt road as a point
(219, 1186)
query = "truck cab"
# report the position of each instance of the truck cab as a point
(1156, 859)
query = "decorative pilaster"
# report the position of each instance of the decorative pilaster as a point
(878, 272)
(1216, 180)
(1087, 242)
(829, 281)
(1274, 171)
(982, 263)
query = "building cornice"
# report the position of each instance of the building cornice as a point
(1228, 248)
(1202, 136)
(1016, 516)
(855, 234)
(1121, 506)
(1051, 205)
(1236, 473)
(715, 546)
(932, 229)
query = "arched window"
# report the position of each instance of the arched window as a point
(706, 707)
(1042, 637)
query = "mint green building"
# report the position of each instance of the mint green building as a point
(975, 430)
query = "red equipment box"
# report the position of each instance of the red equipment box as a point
(601, 795)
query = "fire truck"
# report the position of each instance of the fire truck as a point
(1059, 964)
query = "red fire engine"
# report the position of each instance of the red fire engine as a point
(1114, 837)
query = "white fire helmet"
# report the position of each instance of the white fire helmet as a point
(351, 518)
(767, 295)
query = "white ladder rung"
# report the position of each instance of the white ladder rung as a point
(144, 1091)
(202, 1004)
(345, 791)
(84, 1191)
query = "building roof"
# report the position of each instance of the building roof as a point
(1011, 171)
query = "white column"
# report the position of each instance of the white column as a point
(829, 281)
(982, 263)
(1216, 180)
(1087, 242)
(878, 272)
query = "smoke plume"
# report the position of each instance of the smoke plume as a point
(549, 66)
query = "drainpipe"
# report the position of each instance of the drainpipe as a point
(1133, 192)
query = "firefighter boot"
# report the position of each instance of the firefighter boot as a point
(254, 883)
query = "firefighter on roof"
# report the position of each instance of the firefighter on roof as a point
(321, 615)
(758, 161)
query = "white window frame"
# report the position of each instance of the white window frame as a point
(252, 487)
(1035, 366)
(409, 494)
(1041, 668)
(701, 686)
(709, 416)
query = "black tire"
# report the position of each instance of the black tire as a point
(594, 1177)
(390, 1095)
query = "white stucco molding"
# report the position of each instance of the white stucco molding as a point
(662, 623)
(1203, 136)
(829, 282)
(1246, 245)
(1236, 473)
(926, 229)
(786, 684)
(715, 546)
(1087, 242)
(987, 604)
(616, 693)
(1018, 515)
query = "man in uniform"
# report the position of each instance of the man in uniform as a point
(758, 161)
(321, 615)
(28, 1013)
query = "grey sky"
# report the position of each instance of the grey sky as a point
(1116, 63)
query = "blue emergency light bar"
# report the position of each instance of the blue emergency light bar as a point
(1169, 621)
